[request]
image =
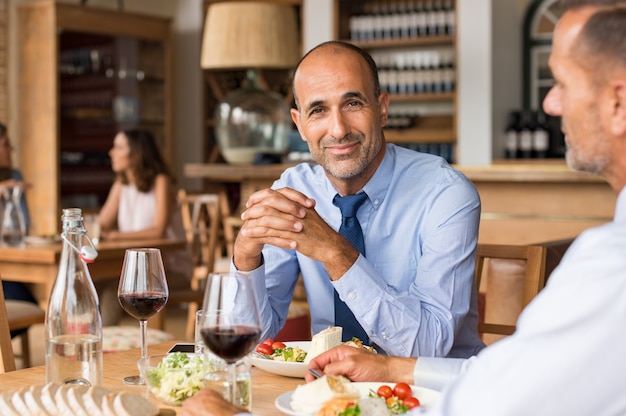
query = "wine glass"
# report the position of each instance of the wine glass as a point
(231, 326)
(142, 292)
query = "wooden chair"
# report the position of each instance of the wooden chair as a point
(22, 315)
(7, 361)
(201, 219)
(231, 223)
(510, 276)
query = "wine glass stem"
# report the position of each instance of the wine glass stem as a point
(144, 336)
(232, 376)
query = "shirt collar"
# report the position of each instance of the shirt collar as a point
(377, 187)
(620, 207)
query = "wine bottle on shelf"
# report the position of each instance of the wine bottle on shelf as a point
(431, 17)
(526, 135)
(408, 77)
(404, 20)
(377, 23)
(420, 19)
(440, 18)
(511, 133)
(394, 20)
(450, 17)
(541, 136)
(354, 24)
(393, 78)
(418, 73)
(428, 71)
(367, 23)
(73, 325)
(557, 138)
(449, 74)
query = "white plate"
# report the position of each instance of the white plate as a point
(283, 368)
(427, 397)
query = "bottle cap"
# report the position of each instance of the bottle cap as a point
(88, 254)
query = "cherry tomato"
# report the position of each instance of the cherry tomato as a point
(384, 391)
(268, 341)
(265, 349)
(278, 344)
(402, 391)
(411, 402)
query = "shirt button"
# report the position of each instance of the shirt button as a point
(351, 295)
(384, 336)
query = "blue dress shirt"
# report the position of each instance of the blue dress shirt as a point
(414, 292)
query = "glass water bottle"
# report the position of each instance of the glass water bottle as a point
(73, 321)
(12, 222)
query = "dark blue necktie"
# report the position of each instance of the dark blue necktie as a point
(351, 230)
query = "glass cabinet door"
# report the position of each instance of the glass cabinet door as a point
(107, 84)
(539, 23)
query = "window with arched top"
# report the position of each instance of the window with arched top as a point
(539, 23)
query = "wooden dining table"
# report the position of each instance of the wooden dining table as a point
(38, 264)
(266, 387)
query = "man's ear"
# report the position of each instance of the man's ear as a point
(295, 116)
(618, 112)
(383, 104)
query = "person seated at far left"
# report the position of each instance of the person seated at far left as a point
(141, 205)
(10, 177)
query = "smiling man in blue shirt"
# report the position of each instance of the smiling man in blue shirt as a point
(413, 290)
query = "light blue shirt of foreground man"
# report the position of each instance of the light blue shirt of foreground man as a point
(567, 356)
(412, 291)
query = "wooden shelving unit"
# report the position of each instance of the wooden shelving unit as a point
(85, 74)
(431, 129)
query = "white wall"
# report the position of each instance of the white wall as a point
(507, 91)
(188, 100)
(474, 101)
(318, 22)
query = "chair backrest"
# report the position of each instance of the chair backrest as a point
(510, 276)
(201, 220)
(231, 221)
(7, 360)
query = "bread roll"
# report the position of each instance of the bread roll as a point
(6, 405)
(32, 398)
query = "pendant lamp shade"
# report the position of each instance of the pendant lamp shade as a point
(245, 34)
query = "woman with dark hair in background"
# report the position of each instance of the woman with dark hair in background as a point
(141, 204)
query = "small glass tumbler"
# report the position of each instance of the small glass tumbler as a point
(198, 345)
(218, 380)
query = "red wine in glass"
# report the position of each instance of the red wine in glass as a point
(231, 343)
(231, 324)
(142, 292)
(142, 305)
